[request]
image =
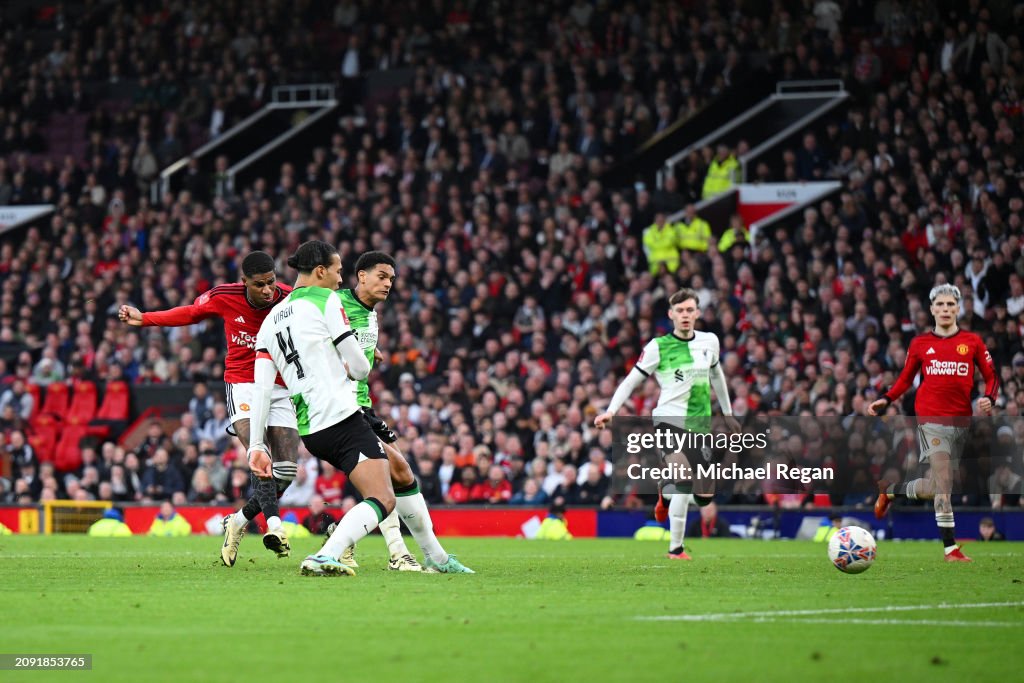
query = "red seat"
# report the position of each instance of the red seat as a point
(43, 445)
(68, 456)
(56, 402)
(45, 430)
(116, 402)
(83, 401)
(37, 394)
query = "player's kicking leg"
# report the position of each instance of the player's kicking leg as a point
(283, 442)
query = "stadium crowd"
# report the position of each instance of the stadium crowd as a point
(524, 291)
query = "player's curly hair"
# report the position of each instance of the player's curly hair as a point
(372, 259)
(312, 254)
(257, 263)
(944, 290)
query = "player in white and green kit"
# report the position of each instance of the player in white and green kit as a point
(686, 365)
(308, 340)
(375, 273)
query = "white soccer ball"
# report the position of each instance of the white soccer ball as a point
(852, 549)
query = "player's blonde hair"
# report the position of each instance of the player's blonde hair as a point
(944, 290)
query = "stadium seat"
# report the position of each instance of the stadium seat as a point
(56, 401)
(68, 456)
(37, 394)
(83, 401)
(116, 402)
(43, 435)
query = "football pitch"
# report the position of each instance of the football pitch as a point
(585, 610)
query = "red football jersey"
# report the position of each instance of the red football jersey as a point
(947, 366)
(241, 319)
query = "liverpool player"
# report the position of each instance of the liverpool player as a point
(947, 358)
(243, 307)
(375, 273)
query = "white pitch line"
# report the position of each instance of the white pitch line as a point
(893, 622)
(729, 616)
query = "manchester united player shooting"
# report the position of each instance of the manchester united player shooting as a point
(243, 307)
(947, 358)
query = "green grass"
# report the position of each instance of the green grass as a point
(165, 610)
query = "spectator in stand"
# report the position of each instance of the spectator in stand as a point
(330, 485)
(317, 519)
(17, 397)
(162, 480)
(547, 237)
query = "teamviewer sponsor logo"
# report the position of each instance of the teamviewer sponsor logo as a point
(244, 339)
(947, 368)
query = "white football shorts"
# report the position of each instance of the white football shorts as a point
(239, 400)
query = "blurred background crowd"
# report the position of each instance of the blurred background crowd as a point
(526, 287)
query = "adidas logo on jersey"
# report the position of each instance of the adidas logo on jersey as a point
(930, 351)
(240, 319)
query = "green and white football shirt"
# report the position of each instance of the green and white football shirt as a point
(364, 323)
(301, 334)
(682, 369)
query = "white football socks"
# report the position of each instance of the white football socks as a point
(357, 522)
(678, 505)
(391, 530)
(413, 511)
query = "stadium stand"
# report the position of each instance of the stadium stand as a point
(475, 150)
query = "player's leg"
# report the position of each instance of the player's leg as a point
(941, 475)
(283, 440)
(677, 509)
(372, 479)
(236, 523)
(411, 506)
(403, 482)
(915, 489)
(284, 448)
(354, 449)
(673, 503)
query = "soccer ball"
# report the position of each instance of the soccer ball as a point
(852, 549)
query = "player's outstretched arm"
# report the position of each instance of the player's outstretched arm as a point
(903, 382)
(625, 389)
(130, 315)
(718, 382)
(172, 317)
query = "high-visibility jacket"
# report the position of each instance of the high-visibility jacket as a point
(731, 236)
(660, 245)
(175, 526)
(824, 533)
(294, 530)
(652, 532)
(721, 176)
(109, 527)
(553, 529)
(4, 531)
(694, 236)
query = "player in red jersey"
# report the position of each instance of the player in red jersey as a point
(947, 358)
(243, 306)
